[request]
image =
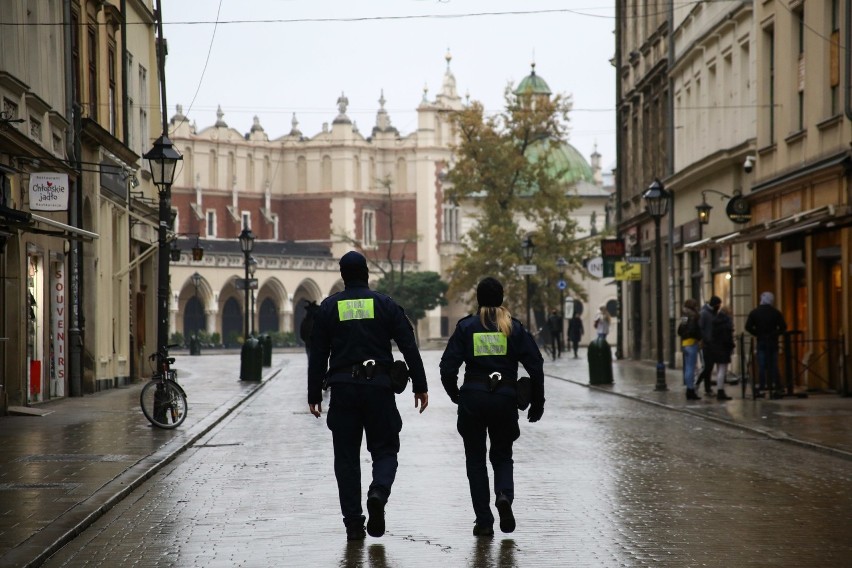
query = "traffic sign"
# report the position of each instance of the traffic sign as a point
(638, 259)
(527, 269)
(241, 284)
(561, 284)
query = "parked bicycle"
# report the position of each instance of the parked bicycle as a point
(163, 400)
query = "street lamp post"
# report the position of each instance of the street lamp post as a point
(528, 248)
(656, 203)
(162, 160)
(246, 245)
(561, 263)
(252, 270)
(196, 282)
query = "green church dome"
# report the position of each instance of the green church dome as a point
(532, 84)
(564, 158)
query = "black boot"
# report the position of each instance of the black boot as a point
(692, 395)
(721, 395)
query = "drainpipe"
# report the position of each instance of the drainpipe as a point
(671, 145)
(619, 178)
(75, 257)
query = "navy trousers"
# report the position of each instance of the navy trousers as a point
(482, 414)
(356, 409)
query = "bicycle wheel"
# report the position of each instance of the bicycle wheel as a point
(163, 404)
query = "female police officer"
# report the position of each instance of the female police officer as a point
(351, 353)
(491, 344)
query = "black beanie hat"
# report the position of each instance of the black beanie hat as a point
(489, 293)
(715, 301)
(353, 266)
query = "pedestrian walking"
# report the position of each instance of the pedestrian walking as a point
(491, 344)
(690, 338)
(705, 321)
(575, 332)
(601, 322)
(554, 324)
(351, 354)
(307, 324)
(723, 348)
(766, 323)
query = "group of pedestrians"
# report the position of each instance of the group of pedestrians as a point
(710, 332)
(350, 354)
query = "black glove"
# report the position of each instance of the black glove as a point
(535, 412)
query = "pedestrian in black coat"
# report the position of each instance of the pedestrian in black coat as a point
(351, 354)
(575, 332)
(490, 344)
(722, 348)
(705, 322)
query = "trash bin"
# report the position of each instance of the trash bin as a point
(251, 360)
(194, 346)
(266, 341)
(600, 362)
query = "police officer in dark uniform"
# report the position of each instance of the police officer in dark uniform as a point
(351, 354)
(491, 343)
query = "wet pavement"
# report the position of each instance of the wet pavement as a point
(601, 481)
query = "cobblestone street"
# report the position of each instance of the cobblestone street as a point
(602, 480)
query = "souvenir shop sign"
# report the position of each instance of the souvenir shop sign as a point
(48, 191)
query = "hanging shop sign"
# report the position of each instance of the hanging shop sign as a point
(738, 210)
(48, 191)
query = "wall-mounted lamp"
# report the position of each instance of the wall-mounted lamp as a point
(704, 208)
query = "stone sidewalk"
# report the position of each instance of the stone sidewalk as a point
(61, 471)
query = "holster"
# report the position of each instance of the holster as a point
(399, 376)
(523, 390)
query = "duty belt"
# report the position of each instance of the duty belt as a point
(364, 370)
(491, 380)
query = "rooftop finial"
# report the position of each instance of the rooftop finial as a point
(448, 57)
(382, 100)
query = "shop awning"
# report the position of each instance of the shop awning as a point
(28, 222)
(74, 232)
(822, 218)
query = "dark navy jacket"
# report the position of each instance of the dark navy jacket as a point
(485, 354)
(355, 325)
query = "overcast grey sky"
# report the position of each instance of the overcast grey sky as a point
(272, 58)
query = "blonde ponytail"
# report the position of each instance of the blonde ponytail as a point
(496, 318)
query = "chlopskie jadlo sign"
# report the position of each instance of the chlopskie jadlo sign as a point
(48, 191)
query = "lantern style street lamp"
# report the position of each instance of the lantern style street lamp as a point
(252, 270)
(657, 204)
(162, 161)
(246, 245)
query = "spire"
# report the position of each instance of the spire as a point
(256, 127)
(219, 122)
(448, 87)
(383, 122)
(294, 126)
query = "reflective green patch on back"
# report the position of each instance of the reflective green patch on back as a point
(355, 309)
(489, 344)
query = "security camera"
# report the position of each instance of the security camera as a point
(748, 165)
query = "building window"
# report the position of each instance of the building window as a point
(246, 219)
(800, 68)
(451, 223)
(93, 73)
(213, 170)
(75, 52)
(175, 220)
(368, 228)
(325, 182)
(275, 235)
(211, 223)
(834, 59)
(113, 111)
(301, 175)
(35, 128)
(769, 41)
(401, 176)
(144, 141)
